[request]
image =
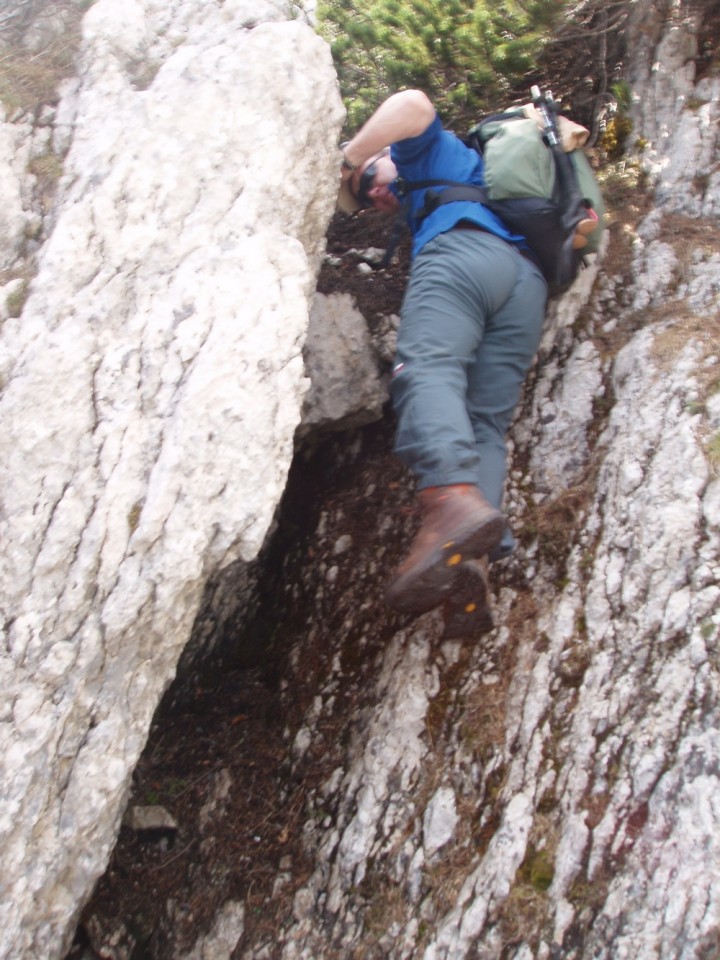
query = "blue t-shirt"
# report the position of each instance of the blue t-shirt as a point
(437, 154)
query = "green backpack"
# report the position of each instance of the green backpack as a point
(539, 190)
(518, 163)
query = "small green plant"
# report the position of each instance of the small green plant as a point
(175, 787)
(134, 516)
(537, 869)
(618, 126)
(623, 95)
(522, 915)
(143, 72)
(541, 871)
(48, 166)
(695, 103)
(713, 450)
(16, 300)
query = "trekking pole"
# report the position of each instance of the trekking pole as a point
(571, 205)
(568, 183)
(547, 107)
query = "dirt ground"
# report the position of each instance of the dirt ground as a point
(380, 292)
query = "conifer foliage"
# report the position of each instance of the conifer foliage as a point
(465, 54)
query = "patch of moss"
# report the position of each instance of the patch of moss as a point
(16, 300)
(696, 103)
(713, 449)
(537, 869)
(523, 916)
(134, 516)
(46, 167)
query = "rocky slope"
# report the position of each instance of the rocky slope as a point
(341, 782)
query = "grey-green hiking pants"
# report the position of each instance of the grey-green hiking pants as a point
(470, 325)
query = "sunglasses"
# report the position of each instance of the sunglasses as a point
(365, 185)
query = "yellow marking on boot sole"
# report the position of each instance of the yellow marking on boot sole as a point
(454, 560)
(470, 607)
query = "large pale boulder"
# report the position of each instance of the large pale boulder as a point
(151, 390)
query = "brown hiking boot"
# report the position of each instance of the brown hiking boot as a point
(466, 611)
(458, 524)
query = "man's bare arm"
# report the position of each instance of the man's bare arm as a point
(405, 114)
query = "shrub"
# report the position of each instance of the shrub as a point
(466, 54)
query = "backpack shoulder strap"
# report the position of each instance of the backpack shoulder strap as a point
(408, 186)
(454, 190)
(452, 193)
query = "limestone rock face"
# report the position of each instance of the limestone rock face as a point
(151, 389)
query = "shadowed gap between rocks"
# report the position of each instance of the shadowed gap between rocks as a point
(218, 755)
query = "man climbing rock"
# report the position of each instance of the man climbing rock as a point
(470, 324)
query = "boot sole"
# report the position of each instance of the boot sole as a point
(467, 611)
(426, 586)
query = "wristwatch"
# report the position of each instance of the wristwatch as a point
(346, 163)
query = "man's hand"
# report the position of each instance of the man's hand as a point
(346, 175)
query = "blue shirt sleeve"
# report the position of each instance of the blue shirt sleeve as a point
(437, 154)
